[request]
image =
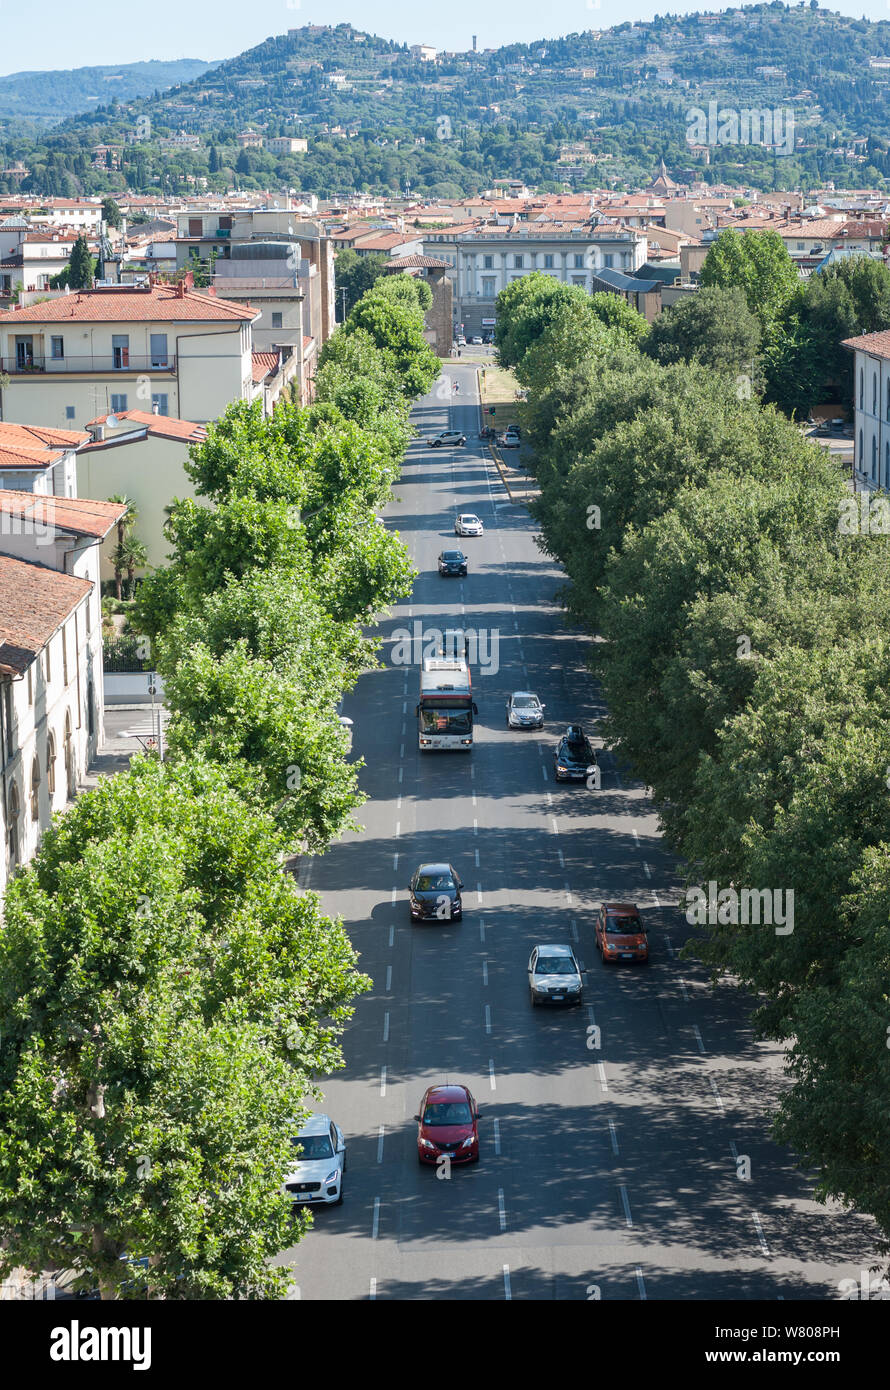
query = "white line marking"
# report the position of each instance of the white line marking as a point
(475, 826)
(398, 828)
(399, 802)
(476, 852)
(496, 1130)
(555, 826)
(491, 1077)
(507, 1291)
(568, 893)
(562, 862)
(478, 892)
(628, 1219)
(544, 772)
(403, 728)
(392, 935)
(474, 798)
(375, 1224)
(635, 835)
(485, 971)
(481, 928)
(383, 1081)
(574, 930)
(648, 870)
(402, 751)
(388, 978)
(760, 1236)
(487, 1018)
(732, 1149)
(613, 1135)
(386, 1026)
(502, 1211)
(395, 860)
(718, 1098)
(405, 711)
(670, 946)
(602, 1071)
(683, 990)
(656, 899)
(696, 1031)
(380, 1134)
(373, 1291)
(401, 773)
(549, 794)
(394, 891)
(641, 1284)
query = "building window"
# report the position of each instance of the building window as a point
(579, 262)
(276, 321)
(69, 412)
(7, 717)
(874, 393)
(578, 280)
(120, 351)
(874, 459)
(488, 287)
(57, 348)
(518, 262)
(861, 388)
(162, 401)
(196, 226)
(488, 262)
(158, 349)
(548, 262)
(51, 766)
(12, 825)
(608, 258)
(35, 788)
(118, 403)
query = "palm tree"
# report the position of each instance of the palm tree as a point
(132, 556)
(124, 522)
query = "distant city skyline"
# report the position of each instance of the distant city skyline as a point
(71, 37)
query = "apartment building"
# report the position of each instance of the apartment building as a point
(76, 356)
(51, 679)
(39, 460)
(871, 387)
(29, 259)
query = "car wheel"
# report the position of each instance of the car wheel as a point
(531, 995)
(339, 1201)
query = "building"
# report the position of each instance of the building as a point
(39, 460)
(51, 681)
(644, 295)
(76, 356)
(439, 318)
(871, 396)
(286, 144)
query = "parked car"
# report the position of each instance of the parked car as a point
(574, 757)
(468, 524)
(476, 340)
(461, 340)
(621, 934)
(525, 711)
(446, 437)
(317, 1174)
(510, 439)
(452, 562)
(447, 1124)
(487, 433)
(435, 893)
(554, 976)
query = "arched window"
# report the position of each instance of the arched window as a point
(69, 757)
(35, 788)
(874, 393)
(51, 766)
(874, 459)
(12, 825)
(861, 388)
(861, 453)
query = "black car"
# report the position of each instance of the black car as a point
(574, 757)
(452, 562)
(435, 894)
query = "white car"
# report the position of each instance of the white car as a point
(476, 340)
(524, 710)
(447, 437)
(554, 976)
(509, 440)
(317, 1174)
(468, 525)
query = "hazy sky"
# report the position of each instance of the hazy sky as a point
(59, 34)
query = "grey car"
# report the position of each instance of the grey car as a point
(524, 710)
(554, 976)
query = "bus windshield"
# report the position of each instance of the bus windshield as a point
(445, 721)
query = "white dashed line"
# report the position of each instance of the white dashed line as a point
(479, 892)
(562, 862)
(698, 1039)
(496, 1135)
(399, 802)
(386, 1027)
(388, 978)
(568, 893)
(373, 1289)
(549, 794)
(670, 946)
(683, 991)
(491, 1077)
(402, 751)
(398, 828)
(635, 835)
(383, 1081)
(395, 860)
(602, 1074)
(628, 1219)
(392, 936)
(485, 972)
(475, 826)
(555, 826)
(507, 1291)
(502, 1210)
(394, 891)
(375, 1223)
(481, 928)
(488, 1018)
(476, 852)
(614, 1137)
(760, 1236)
(401, 773)
(405, 710)
(380, 1134)
(641, 1284)
(648, 870)
(717, 1096)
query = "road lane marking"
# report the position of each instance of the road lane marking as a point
(380, 1134)
(392, 935)
(544, 772)
(549, 794)
(502, 1210)
(602, 1073)
(485, 971)
(568, 893)
(507, 1291)
(478, 892)
(760, 1236)
(401, 773)
(613, 1135)
(491, 1077)
(395, 861)
(648, 870)
(383, 1081)
(733, 1150)
(388, 978)
(386, 1026)
(717, 1096)
(476, 852)
(399, 802)
(562, 862)
(403, 728)
(402, 751)
(656, 900)
(394, 891)
(375, 1224)
(683, 991)
(404, 706)
(698, 1039)
(628, 1219)
(555, 826)
(373, 1289)
(496, 1130)
(670, 946)
(398, 828)
(574, 930)
(475, 826)
(481, 928)
(635, 835)
(641, 1284)
(474, 798)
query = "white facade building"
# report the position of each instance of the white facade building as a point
(871, 388)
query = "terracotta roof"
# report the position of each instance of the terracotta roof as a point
(166, 426)
(308, 341)
(878, 343)
(36, 601)
(29, 458)
(78, 515)
(37, 436)
(385, 241)
(161, 303)
(263, 363)
(415, 263)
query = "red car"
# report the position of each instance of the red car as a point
(447, 1124)
(620, 934)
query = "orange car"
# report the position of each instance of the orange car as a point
(620, 934)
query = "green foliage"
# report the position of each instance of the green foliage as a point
(111, 213)
(356, 274)
(714, 326)
(759, 265)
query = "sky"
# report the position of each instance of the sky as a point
(59, 34)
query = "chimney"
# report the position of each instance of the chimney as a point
(155, 408)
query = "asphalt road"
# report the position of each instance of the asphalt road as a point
(610, 1159)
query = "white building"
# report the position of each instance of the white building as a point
(39, 460)
(871, 387)
(51, 682)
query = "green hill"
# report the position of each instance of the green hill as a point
(47, 98)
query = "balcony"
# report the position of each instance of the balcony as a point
(37, 364)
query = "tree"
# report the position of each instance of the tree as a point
(525, 308)
(81, 267)
(356, 274)
(111, 213)
(758, 264)
(166, 998)
(714, 326)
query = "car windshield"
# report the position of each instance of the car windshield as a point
(623, 926)
(315, 1146)
(450, 1112)
(452, 555)
(433, 883)
(555, 965)
(525, 702)
(470, 520)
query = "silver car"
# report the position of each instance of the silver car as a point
(554, 976)
(317, 1174)
(468, 524)
(525, 711)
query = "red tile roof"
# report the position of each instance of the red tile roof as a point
(264, 363)
(166, 426)
(29, 458)
(79, 515)
(877, 343)
(415, 263)
(36, 436)
(36, 601)
(158, 303)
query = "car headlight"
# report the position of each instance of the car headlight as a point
(468, 1142)
(560, 768)
(610, 947)
(573, 989)
(332, 1177)
(427, 1144)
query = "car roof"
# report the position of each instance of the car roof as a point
(622, 907)
(530, 693)
(316, 1124)
(438, 868)
(468, 516)
(447, 1091)
(548, 949)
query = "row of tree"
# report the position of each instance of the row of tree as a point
(169, 999)
(739, 592)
